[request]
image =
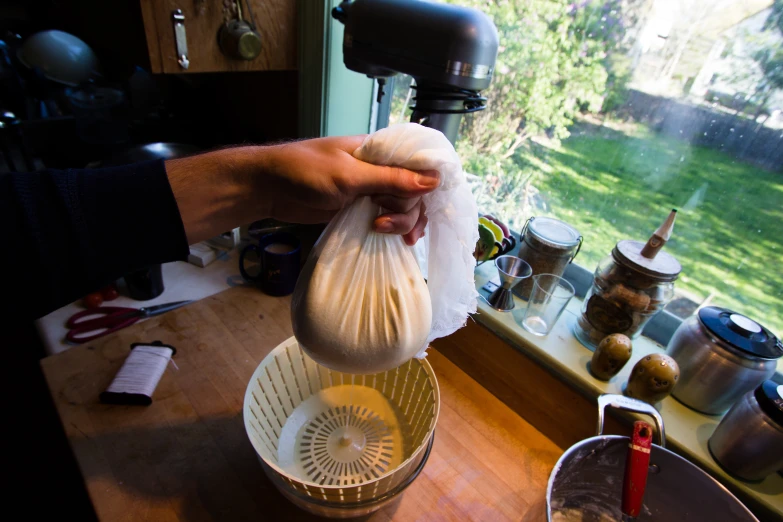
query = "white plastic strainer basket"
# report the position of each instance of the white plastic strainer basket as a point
(334, 438)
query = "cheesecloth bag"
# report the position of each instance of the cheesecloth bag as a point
(361, 303)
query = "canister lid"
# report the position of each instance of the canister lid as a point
(663, 266)
(740, 332)
(769, 395)
(553, 232)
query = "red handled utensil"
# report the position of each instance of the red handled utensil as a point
(636, 468)
(110, 319)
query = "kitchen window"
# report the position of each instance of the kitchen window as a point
(608, 113)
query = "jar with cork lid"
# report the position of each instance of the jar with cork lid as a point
(548, 245)
(629, 287)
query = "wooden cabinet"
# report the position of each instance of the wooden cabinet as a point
(275, 22)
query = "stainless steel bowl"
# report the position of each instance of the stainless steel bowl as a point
(587, 481)
(589, 478)
(61, 57)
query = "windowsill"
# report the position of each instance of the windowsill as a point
(687, 431)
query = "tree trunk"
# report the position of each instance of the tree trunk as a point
(519, 140)
(762, 105)
(741, 110)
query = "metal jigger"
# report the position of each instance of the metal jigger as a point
(512, 270)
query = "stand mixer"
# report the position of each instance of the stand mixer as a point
(449, 50)
(341, 444)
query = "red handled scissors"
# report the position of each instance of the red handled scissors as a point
(112, 318)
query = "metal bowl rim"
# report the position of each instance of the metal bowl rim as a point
(602, 438)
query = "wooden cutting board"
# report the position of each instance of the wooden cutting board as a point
(187, 457)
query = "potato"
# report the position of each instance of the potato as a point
(653, 378)
(610, 356)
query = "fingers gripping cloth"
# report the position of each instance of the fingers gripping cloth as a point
(361, 303)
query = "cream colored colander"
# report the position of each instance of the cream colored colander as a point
(334, 439)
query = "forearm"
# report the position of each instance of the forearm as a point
(219, 190)
(80, 229)
(299, 182)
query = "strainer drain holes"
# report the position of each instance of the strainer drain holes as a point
(345, 446)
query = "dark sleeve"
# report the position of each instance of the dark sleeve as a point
(69, 233)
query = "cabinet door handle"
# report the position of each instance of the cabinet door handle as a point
(181, 38)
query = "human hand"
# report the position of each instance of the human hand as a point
(301, 182)
(310, 181)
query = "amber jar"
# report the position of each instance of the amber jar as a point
(628, 290)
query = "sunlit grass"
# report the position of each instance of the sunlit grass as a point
(615, 185)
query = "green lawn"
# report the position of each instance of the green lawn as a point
(613, 185)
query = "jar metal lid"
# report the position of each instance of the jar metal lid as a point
(769, 395)
(553, 232)
(663, 267)
(741, 332)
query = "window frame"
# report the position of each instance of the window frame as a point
(333, 100)
(660, 328)
(333, 103)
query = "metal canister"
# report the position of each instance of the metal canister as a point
(548, 245)
(722, 355)
(748, 442)
(628, 289)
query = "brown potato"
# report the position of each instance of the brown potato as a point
(610, 356)
(653, 378)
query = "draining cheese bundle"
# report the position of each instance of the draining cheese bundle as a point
(361, 304)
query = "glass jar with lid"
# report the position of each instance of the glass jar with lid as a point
(548, 245)
(628, 290)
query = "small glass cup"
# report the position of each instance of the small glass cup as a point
(548, 298)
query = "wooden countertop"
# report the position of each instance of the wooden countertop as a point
(187, 457)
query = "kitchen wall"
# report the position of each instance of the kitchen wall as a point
(207, 110)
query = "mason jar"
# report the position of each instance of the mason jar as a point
(628, 290)
(548, 245)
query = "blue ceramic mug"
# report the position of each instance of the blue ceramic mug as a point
(279, 255)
